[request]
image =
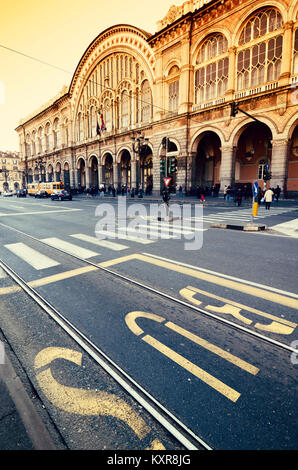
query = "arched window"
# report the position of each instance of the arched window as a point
(40, 139)
(212, 67)
(173, 85)
(146, 101)
(124, 109)
(56, 133)
(260, 61)
(48, 139)
(295, 55)
(92, 121)
(33, 143)
(80, 128)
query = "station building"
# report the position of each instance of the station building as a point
(132, 91)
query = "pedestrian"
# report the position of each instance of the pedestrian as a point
(277, 193)
(225, 192)
(239, 196)
(268, 198)
(203, 198)
(180, 191)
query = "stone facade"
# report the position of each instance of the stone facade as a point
(132, 89)
(10, 171)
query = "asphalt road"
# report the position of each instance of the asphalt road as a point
(233, 390)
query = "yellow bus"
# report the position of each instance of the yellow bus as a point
(50, 187)
(33, 188)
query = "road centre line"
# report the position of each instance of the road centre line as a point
(273, 289)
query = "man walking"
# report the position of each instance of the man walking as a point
(268, 198)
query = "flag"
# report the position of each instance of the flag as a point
(97, 125)
(100, 126)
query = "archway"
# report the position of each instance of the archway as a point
(58, 172)
(81, 173)
(108, 171)
(94, 172)
(50, 174)
(292, 170)
(145, 176)
(66, 175)
(125, 168)
(206, 164)
(253, 153)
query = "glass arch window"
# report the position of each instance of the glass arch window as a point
(146, 101)
(212, 68)
(260, 62)
(173, 88)
(295, 58)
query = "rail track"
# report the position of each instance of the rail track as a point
(170, 422)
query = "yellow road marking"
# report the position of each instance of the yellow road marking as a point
(83, 402)
(222, 388)
(214, 349)
(189, 291)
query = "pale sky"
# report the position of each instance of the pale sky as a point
(57, 32)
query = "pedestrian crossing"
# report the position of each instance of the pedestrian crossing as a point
(245, 215)
(40, 261)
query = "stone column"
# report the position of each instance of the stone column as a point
(87, 177)
(100, 175)
(115, 175)
(227, 167)
(133, 174)
(279, 161)
(286, 61)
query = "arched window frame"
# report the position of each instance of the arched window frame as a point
(173, 79)
(259, 51)
(211, 69)
(295, 52)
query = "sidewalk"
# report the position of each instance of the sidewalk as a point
(21, 427)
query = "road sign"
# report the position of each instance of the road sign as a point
(255, 189)
(267, 166)
(166, 181)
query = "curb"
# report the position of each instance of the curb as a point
(245, 228)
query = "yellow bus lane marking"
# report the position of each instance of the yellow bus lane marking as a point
(278, 325)
(222, 388)
(85, 402)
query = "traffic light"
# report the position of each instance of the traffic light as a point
(266, 175)
(234, 109)
(173, 165)
(163, 167)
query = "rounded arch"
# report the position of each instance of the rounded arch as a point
(121, 151)
(265, 5)
(105, 155)
(197, 137)
(290, 127)
(219, 31)
(91, 158)
(169, 66)
(79, 162)
(237, 131)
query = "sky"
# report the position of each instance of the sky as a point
(57, 32)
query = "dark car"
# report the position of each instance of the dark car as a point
(41, 194)
(62, 195)
(21, 193)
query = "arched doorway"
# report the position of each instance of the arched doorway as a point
(58, 172)
(81, 173)
(50, 174)
(253, 153)
(66, 175)
(206, 165)
(94, 172)
(108, 171)
(292, 170)
(146, 169)
(125, 168)
(30, 176)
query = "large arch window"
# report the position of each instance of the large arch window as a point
(56, 133)
(211, 75)
(80, 127)
(173, 87)
(295, 54)
(146, 101)
(260, 52)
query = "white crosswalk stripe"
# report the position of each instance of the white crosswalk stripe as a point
(97, 241)
(122, 236)
(70, 247)
(33, 257)
(244, 215)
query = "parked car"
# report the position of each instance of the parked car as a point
(21, 193)
(7, 194)
(61, 195)
(41, 194)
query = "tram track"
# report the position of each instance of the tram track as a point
(170, 422)
(161, 293)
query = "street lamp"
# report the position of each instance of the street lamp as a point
(40, 165)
